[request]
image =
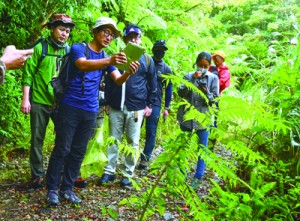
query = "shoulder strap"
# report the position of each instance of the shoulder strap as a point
(86, 49)
(44, 52)
(147, 60)
(87, 55)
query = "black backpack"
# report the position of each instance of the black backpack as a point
(61, 82)
(44, 43)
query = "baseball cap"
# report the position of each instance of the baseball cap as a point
(132, 28)
(160, 43)
(62, 18)
(107, 22)
(220, 53)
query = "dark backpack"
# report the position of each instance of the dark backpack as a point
(61, 82)
(44, 43)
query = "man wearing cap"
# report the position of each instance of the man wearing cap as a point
(159, 49)
(38, 97)
(223, 72)
(128, 106)
(79, 107)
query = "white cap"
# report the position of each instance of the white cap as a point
(108, 22)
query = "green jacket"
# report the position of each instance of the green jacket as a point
(39, 80)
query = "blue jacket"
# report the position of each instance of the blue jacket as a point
(162, 68)
(140, 88)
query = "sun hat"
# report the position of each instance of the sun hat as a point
(220, 53)
(107, 22)
(62, 18)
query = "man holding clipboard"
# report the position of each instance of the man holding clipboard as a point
(127, 106)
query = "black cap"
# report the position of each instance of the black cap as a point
(160, 43)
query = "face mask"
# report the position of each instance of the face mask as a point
(159, 54)
(202, 70)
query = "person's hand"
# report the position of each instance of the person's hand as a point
(165, 113)
(118, 58)
(147, 111)
(14, 58)
(133, 66)
(107, 108)
(197, 74)
(25, 106)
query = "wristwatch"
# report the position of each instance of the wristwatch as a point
(2, 71)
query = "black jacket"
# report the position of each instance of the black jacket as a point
(141, 88)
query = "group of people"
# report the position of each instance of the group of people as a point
(131, 96)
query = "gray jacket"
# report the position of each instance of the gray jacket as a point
(212, 83)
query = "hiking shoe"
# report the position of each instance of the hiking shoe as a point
(52, 198)
(70, 196)
(143, 165)
(37, 183)
(106, 178)
(195, 184)
(125, 183)
(81, 183)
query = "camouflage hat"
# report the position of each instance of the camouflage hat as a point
(61, 18)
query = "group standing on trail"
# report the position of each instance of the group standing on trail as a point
(131, 98)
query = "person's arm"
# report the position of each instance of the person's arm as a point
(183, 91)
(224, 79)
(2, 72)
(25, 105)
(27, 78)
(119, 78)
(168, 91)
(152, 84)
(213, 91)
(87, 65)
(13, 58)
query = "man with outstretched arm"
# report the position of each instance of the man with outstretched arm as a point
(79, 107)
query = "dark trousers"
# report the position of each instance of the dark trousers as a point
(40, 115)
(151, 128)
(73, 131)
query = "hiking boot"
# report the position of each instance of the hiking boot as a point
(195, 184)
(81, 183)
(37, 183)
(70, 196)
(143, 165)
(106, 178)
(52, 198)
(125, 183)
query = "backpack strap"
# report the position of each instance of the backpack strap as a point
(87, 55)
(44, 52)
(148, 57)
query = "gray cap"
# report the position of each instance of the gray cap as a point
(107, 22)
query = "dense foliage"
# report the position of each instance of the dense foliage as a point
(259, 114)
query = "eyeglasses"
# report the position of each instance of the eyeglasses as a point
(108, 34)
(133, 36)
